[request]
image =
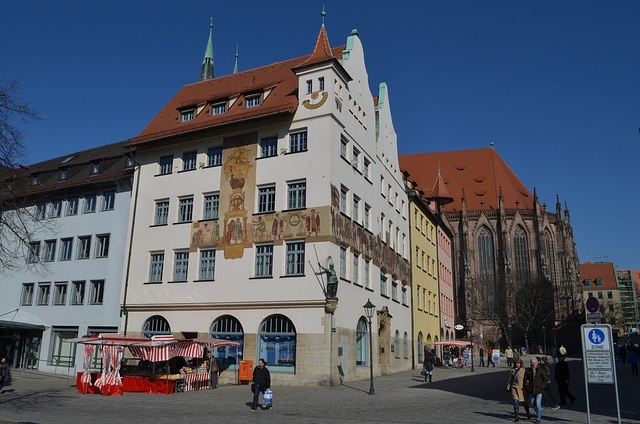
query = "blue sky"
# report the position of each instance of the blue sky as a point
(555, 85)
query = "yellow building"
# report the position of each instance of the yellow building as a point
(424, 274)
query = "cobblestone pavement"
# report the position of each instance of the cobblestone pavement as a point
(455, 396)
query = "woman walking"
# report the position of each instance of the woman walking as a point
(516, 387)
(428, 364)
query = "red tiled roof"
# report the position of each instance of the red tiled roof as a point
(481, 173)
(277, 77)
(321, 51)
(603, 270)
(439, 192)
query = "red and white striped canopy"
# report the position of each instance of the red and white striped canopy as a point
(453, 343)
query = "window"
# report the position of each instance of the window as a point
(367, 268)
(180, 266)
(355, 213)
(60, 294)
(43, 293)
(77, 297)
(66, 246)
(355, 158)
(405, 345)
(394, 290)
(309, 87)
(95, 168)
(268, 146)
(365, 170)
(520, 252)
(185, 209)
(155, 267)
(130, 161)
(590, 294)
(343, 262)
(277, 343)
(420, 348)
(362, 342)
(49, 250)
(404, 295)
(343, 199)
(297, 195)
(609, 295)
(108, 200)
(56, 209)
(343, 147)
(84, 247)
(34, 180)
(266, 198)
(252, 101)
(383, 284)
(295, 258)
(382, 185)
(214, 156)
(587, 283)
(298, 142)
(63, 174)
(154, 326)
(207, 264)
(34, 252)
(72, 206)
(355, 277)
(218, 108)
(90, 203)
(187, 115)
(63, 353)
(396, 343)
(162, 212)
(102, 250)
(41, 211)
(599, 295)
(486, 265)
(166, 164)
(211, 203)
(26, 298)
(321, 84)
(264, 260)
(228, 328)
(367, 216)
(189, 160)
(598, 282)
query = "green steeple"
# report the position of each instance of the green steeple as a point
(235, 68)
(206, 72)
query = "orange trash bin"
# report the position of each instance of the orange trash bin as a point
(245, 373)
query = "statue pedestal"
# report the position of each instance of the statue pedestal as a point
(331, 305)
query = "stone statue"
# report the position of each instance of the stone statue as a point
(332, 281)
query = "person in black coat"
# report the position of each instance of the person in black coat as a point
(481, 356)
(429, 360)
(4, 373)
(260, 383)
(562, 379)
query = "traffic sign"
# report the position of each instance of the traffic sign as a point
(594, 318)
(592, 304)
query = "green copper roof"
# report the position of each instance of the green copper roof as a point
(206, 71)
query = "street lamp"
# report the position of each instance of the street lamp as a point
(510, 327)
(544, 337)
(554, 337)
(369, 309)
(470, 325)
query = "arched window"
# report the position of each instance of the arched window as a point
(227, 327)
(487, 267)
(397, 344)
(420, 348)
(362, 342)
(405, 345)
(277, 343)
(154, 326)
(520, 251)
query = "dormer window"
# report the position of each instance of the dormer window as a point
(218, 108)
(34, 181)
(95, 168)
(130, 161)
(63, 174)
(187, 115)
(252, 101)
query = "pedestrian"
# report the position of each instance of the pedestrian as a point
(563, 375)
(517, 389)
(548, 394)
(481, 356)
(562, 351)
(489, 357)
(427, 365)
(509, 354)
(213, 371)
(260, 383)
(622, 352)
(633, 360)
(5, 375)
(554, 354)
(535, 380)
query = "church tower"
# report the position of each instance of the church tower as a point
(206, 71)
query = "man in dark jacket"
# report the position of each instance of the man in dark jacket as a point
(562, 379)
(261, 382)
(535, 381)
(481, 356)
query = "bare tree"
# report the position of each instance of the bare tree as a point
(19, 219)
(533, 307)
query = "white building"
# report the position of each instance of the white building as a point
(70, 285)
(247, 181)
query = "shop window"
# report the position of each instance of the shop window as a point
(277, 344)
(227, 327)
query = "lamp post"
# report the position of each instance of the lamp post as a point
(369, 309)
(544, 338)
(510, 327)
(470, 325)
(555, 346)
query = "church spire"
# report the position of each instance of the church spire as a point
(206, 72)
(322, 49)
(235, 68)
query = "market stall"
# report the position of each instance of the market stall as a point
(159, 365)
(452, 355)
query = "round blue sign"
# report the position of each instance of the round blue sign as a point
(596, 336)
